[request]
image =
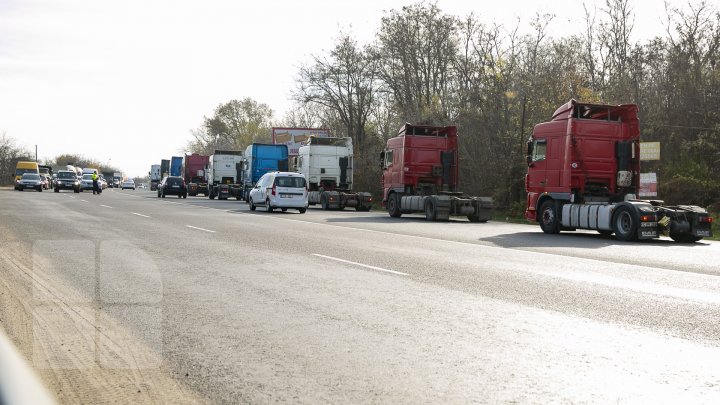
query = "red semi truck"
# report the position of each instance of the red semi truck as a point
(584, 173)
(420, 174)
(194, 172)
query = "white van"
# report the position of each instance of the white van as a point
(281, 190)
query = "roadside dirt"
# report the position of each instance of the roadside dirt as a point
(76, 347)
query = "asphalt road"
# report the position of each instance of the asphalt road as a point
(127, 297)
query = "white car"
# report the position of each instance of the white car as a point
(281, 190)
(128, 184)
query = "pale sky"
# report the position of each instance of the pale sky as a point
(125, 81)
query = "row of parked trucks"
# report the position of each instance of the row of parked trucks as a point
(583, 173)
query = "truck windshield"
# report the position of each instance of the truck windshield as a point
(328, 141)
(20, 172)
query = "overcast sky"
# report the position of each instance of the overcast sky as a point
(124, 81)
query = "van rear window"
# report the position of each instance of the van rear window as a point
(297, 182)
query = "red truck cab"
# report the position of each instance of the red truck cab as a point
(420, 174)
(584, 173)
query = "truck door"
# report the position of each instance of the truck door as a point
(537, 165)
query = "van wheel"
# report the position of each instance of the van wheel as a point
(548, 217)
(252, 206)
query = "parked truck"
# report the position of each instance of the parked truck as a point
(584, 173)
(194, 173)
(327, 164)
(420, 174)
(259, 159)
(164, 168)
(223, 174)
(155, 178)
(176, 166)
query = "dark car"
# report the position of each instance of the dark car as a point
(67, 180)
(172, 185)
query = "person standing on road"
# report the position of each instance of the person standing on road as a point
(95, 183)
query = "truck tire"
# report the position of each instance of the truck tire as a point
(684, 237)
(548, 217)
(430, 209)
(625, 224)
(252, 206)
(393, 205)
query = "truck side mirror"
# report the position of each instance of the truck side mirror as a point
(382, 160)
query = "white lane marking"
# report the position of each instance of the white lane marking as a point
(84, 200)
(200, 229)
(106, 206)
(140, 215)
(71, 196)
(360, 264)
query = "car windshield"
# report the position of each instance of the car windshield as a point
(30, 176)
(87, 177)
(66, 175)
(297, 182)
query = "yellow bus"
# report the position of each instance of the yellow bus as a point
(25, 167)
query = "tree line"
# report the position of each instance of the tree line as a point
(494, 83)
(11, 153)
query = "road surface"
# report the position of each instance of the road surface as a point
(124, 297)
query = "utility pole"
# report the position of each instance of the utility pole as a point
(36, 153)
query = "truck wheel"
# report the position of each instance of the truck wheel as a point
(625, 224)
(548, 217)
(252, 206)
(393, 206)
(430, 210)
(684, 237)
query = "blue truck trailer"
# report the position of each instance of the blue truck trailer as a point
(259, 159)
(176, 166)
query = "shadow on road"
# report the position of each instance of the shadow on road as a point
(579, 240)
